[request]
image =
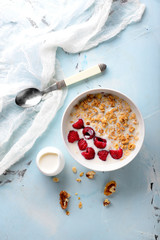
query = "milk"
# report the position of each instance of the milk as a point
(48, 162)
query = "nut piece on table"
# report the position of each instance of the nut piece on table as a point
(106, 202)
(64, 198)
(90, 174)
(110, 188)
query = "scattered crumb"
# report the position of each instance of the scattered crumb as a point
(74, 169)
(90, 174)
(78, 180)
(106, 202)
(79, 198)
(55, 179)
(80, 205)
(81, 174)
(67, 213)
(76, 193)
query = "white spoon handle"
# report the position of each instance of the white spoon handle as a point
(85, 74)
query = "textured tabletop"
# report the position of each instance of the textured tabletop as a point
(29, 201)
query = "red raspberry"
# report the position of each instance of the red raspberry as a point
(88, 133)
(79, 124)
(82, 144)
(103, 154)
(100, 142)
(116, 154)
(89, 153)
(73, 136)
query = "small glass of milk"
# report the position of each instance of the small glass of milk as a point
(50, 161)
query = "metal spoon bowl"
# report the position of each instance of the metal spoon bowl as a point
(28, 97)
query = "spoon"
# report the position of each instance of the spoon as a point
(31, 96)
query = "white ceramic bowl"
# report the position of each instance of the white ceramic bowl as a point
(102, 165)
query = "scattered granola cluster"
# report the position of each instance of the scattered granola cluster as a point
(55, 179)
(109, 189)
(110, 117)
(89, 174)
(64, 196)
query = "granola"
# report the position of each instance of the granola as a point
(74, 169)
(67, 213)
(55, 179)
(111, 118)
(80, 205)
(81, 174)
(78, 180)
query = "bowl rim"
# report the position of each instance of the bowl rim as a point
(119, 164)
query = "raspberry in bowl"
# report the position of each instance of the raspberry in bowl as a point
(103, 129)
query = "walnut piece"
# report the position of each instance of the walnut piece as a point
(90, 174)
(110, 188)
(106, 202)
(64, 198)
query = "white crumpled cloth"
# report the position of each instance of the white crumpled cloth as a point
(30, 32)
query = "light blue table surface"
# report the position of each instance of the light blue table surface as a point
(29, 201)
